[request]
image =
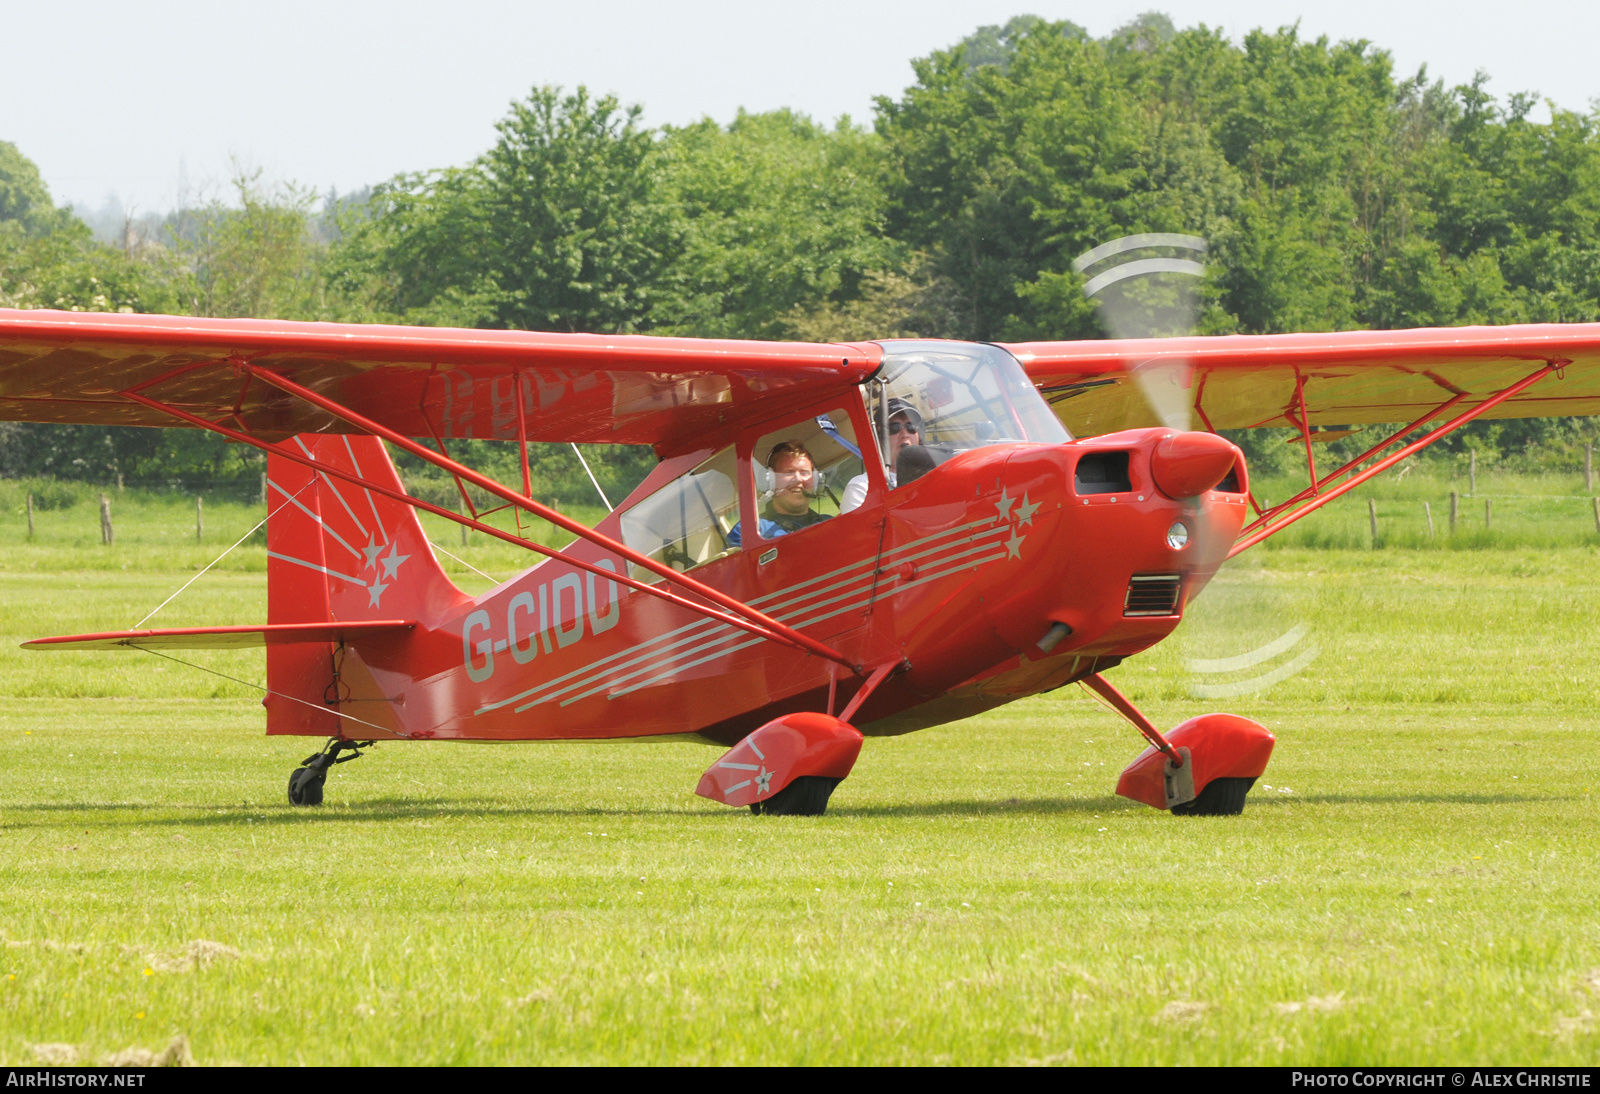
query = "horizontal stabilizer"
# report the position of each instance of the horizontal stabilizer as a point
(222, 638)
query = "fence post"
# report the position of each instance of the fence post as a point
(107, 535)
(1486, 503)
(1588, 468)
(1427, 511)
(1372, 516)
(199, 518)
(1455, 510)
(30, 515)
(263, 488)
(1597, 514)
(1472, 473)
(463, 528)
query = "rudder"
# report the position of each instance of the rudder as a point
(338, 551)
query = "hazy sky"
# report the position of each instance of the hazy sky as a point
(117, 97)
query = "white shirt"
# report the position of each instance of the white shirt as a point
(855, 492)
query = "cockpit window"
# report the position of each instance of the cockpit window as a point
(961, 396)
(687, 522)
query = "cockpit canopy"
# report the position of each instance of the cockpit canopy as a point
(962, 395)
(959, 396)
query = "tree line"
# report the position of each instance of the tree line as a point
(1333, 193)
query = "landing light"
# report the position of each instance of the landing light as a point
(1177, 536)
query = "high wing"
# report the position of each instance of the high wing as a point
(266, 383)
(1345, 378)
(672, 393)
(1433, 379)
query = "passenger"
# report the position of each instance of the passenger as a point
(905, 427)
(794, 484)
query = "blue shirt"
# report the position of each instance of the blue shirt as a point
(770, 529)
(772, 525)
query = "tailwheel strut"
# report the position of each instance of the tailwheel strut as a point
(305, 782)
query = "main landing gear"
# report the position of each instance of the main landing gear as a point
(787, 768)
(805, 796)
(1202, 768)
(1221, 798)
(305, 782)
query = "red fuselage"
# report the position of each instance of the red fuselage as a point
(958, 575)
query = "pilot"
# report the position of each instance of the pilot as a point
(794, 484)
(905, 427)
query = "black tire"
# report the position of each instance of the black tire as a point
(305, 786)
(1220, 798)
(806, 796)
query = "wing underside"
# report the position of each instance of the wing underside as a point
(1344, 378)
(423, 382)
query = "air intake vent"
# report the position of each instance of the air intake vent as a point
(1102, 473)
(1153, 594)
(1230, 481)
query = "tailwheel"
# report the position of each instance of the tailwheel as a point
(806, 796)
(306, 781)
(1221, 798)
(305, 785)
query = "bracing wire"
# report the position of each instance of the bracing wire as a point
(1101, 699)
(268, 691)
(213, 562)
(609, 507)
(461, 560)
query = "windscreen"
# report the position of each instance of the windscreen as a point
(961, 395)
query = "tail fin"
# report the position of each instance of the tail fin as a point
(337, 551)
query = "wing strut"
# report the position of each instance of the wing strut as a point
(1276, 519)
(1305, 430)
(1311, 491)
(739, 615)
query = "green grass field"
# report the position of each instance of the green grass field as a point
(1416, 885)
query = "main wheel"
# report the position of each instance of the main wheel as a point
(305, 786)
(806, 796)
(1220, 798)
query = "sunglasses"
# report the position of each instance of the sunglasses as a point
(902, 427)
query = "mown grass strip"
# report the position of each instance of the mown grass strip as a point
(1412, 882)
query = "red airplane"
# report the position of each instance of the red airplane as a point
(838, 540)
